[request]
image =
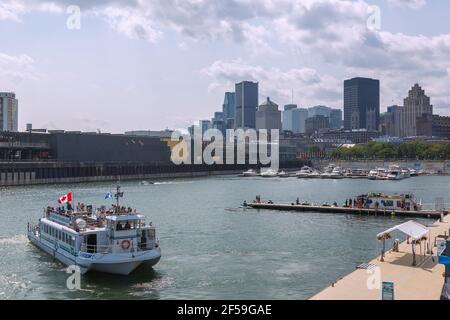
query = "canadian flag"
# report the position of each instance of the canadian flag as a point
(65, 198)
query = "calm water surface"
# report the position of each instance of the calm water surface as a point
(211, 248)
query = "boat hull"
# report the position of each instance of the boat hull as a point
(122, 265)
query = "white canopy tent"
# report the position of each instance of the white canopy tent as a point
(411, 228)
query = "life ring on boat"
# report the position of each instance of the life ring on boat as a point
(125, 244)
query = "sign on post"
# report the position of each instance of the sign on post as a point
(387, 292)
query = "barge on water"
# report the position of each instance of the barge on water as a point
(404, 205)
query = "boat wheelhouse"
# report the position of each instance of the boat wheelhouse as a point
(383, 201)
(113, 241)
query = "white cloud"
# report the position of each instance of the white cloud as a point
(11, 10)
(413, 4)
(131, 22)
(15, 69)
(308, 84)
(333, 32)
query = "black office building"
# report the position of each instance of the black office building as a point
(361, 104)
(246, 104)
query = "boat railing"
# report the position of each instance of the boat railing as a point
(96, 248)
(32, 228)
(88, 248)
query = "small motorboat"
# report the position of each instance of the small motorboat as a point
(249, 173)
(269, 173)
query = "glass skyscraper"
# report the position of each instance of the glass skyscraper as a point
(246, 104)
(361, 104)
(228, 108)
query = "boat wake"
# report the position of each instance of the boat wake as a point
(14, 240)
(148, 183)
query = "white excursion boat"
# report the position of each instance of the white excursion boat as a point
(115, 241)
(250, 173)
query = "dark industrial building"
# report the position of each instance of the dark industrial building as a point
(441, 126)
(67, 146)
(351, 136)
(55, 157)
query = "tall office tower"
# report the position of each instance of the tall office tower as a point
(361, 104)
(319, 111)
(287, 117)
(268, 116)
(9, 112)
(228, 109)
(218, 122)
(335, 115)
(204, 125)
(335, 118)
(246, 104)
(416, 105)
(392, 124)
(294, 118)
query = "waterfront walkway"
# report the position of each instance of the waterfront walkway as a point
(423, 282)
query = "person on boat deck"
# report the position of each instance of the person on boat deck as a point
(119, 227)
(69, 206)
(297, 201)
(127, 225)
(245, 203)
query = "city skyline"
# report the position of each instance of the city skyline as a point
(119, 71)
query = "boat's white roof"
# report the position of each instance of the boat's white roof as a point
(125, 217)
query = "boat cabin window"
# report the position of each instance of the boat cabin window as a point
(387, 203)
(126, 225)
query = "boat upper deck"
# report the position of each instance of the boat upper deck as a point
(85, 218)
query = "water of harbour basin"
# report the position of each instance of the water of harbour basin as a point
(210, 247)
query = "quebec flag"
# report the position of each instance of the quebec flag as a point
(109, 195)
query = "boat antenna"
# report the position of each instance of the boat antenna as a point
(117, 196)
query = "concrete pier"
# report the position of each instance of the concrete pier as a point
(345, 210)
(422, 282)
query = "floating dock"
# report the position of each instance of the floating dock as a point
(347, 210)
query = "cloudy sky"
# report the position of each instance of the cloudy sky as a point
(152, 64)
